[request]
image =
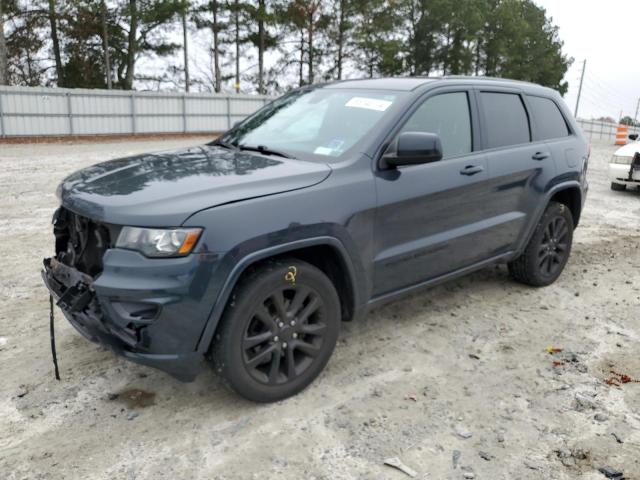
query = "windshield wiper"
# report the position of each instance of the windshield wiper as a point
(264, 150)
(223, 144)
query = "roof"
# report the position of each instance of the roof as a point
(401, 83)
(411, 83)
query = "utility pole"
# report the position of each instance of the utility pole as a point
(584, 67)
(635, 118)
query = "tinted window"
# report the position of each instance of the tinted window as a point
(548, 119)
(506, 121)
(448, 116)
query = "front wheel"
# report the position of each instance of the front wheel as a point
(548, 249)
(278, 330)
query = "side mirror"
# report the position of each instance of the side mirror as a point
(414, 148)
(633, 136)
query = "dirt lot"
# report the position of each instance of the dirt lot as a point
(466, 359)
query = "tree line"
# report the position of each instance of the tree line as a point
(268, 46)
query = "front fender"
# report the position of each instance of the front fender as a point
(239, 265)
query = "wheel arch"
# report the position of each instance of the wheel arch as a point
(567, 193)
(571, 197)
(326, 253)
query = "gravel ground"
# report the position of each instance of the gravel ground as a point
(455, 381)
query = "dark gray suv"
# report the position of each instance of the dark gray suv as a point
(249, 252)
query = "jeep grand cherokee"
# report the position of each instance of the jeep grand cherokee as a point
(248, 252)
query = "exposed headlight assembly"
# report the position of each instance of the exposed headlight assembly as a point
(621, 160)
(159, 242)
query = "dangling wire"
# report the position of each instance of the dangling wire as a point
(52, 334)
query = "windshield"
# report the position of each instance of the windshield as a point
(320, 124)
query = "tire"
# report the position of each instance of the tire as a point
(618, 187)
(269, 349)
(548, 250)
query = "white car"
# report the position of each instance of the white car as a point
(624, 168)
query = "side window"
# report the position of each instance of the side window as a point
(548, 120)
(447, 115)
(505, 119)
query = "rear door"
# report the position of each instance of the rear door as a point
(519, 165)
(430, 217)
(550, 126)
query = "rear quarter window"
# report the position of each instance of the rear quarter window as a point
(505, 119)
(547, 118)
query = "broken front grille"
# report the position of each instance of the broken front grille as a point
(81, 242)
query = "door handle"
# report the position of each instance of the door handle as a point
(471, 170)
(540, 156)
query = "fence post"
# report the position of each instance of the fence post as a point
(228, 112)
(133, 113)
(69, 113)
(3, 133)
(184, 112)
(601, 130)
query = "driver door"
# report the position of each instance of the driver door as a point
(433, 219)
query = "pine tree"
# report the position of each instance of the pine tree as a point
(52, 14)
(339, 34)
(98, 44)
(376, 38)
(25, 44)
(213, 15)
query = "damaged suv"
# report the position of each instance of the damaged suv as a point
(249, 252)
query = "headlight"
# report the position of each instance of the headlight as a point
(621, 160)
(159, 242)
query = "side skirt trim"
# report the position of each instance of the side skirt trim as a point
(388, 297)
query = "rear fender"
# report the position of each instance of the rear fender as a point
(537, 215)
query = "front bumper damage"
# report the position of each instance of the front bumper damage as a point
(98, 321)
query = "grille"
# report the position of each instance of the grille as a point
(81, 242)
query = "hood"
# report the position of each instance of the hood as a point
(629, 150)
(164, 189)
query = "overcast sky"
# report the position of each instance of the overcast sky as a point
(607, 35)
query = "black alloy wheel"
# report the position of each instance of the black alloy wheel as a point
(554, 246)
(548, 250)
(278, 331)
(284, 335)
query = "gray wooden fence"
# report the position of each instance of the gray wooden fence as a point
(39, 111)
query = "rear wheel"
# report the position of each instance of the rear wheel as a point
(278, 331)
(618, 187)
(548, 250)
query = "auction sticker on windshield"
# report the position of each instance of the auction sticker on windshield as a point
(368, 103)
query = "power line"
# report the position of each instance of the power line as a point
(600, 94)
(602, 100)
(608, 93)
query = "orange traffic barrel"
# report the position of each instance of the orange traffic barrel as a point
(621, 135)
